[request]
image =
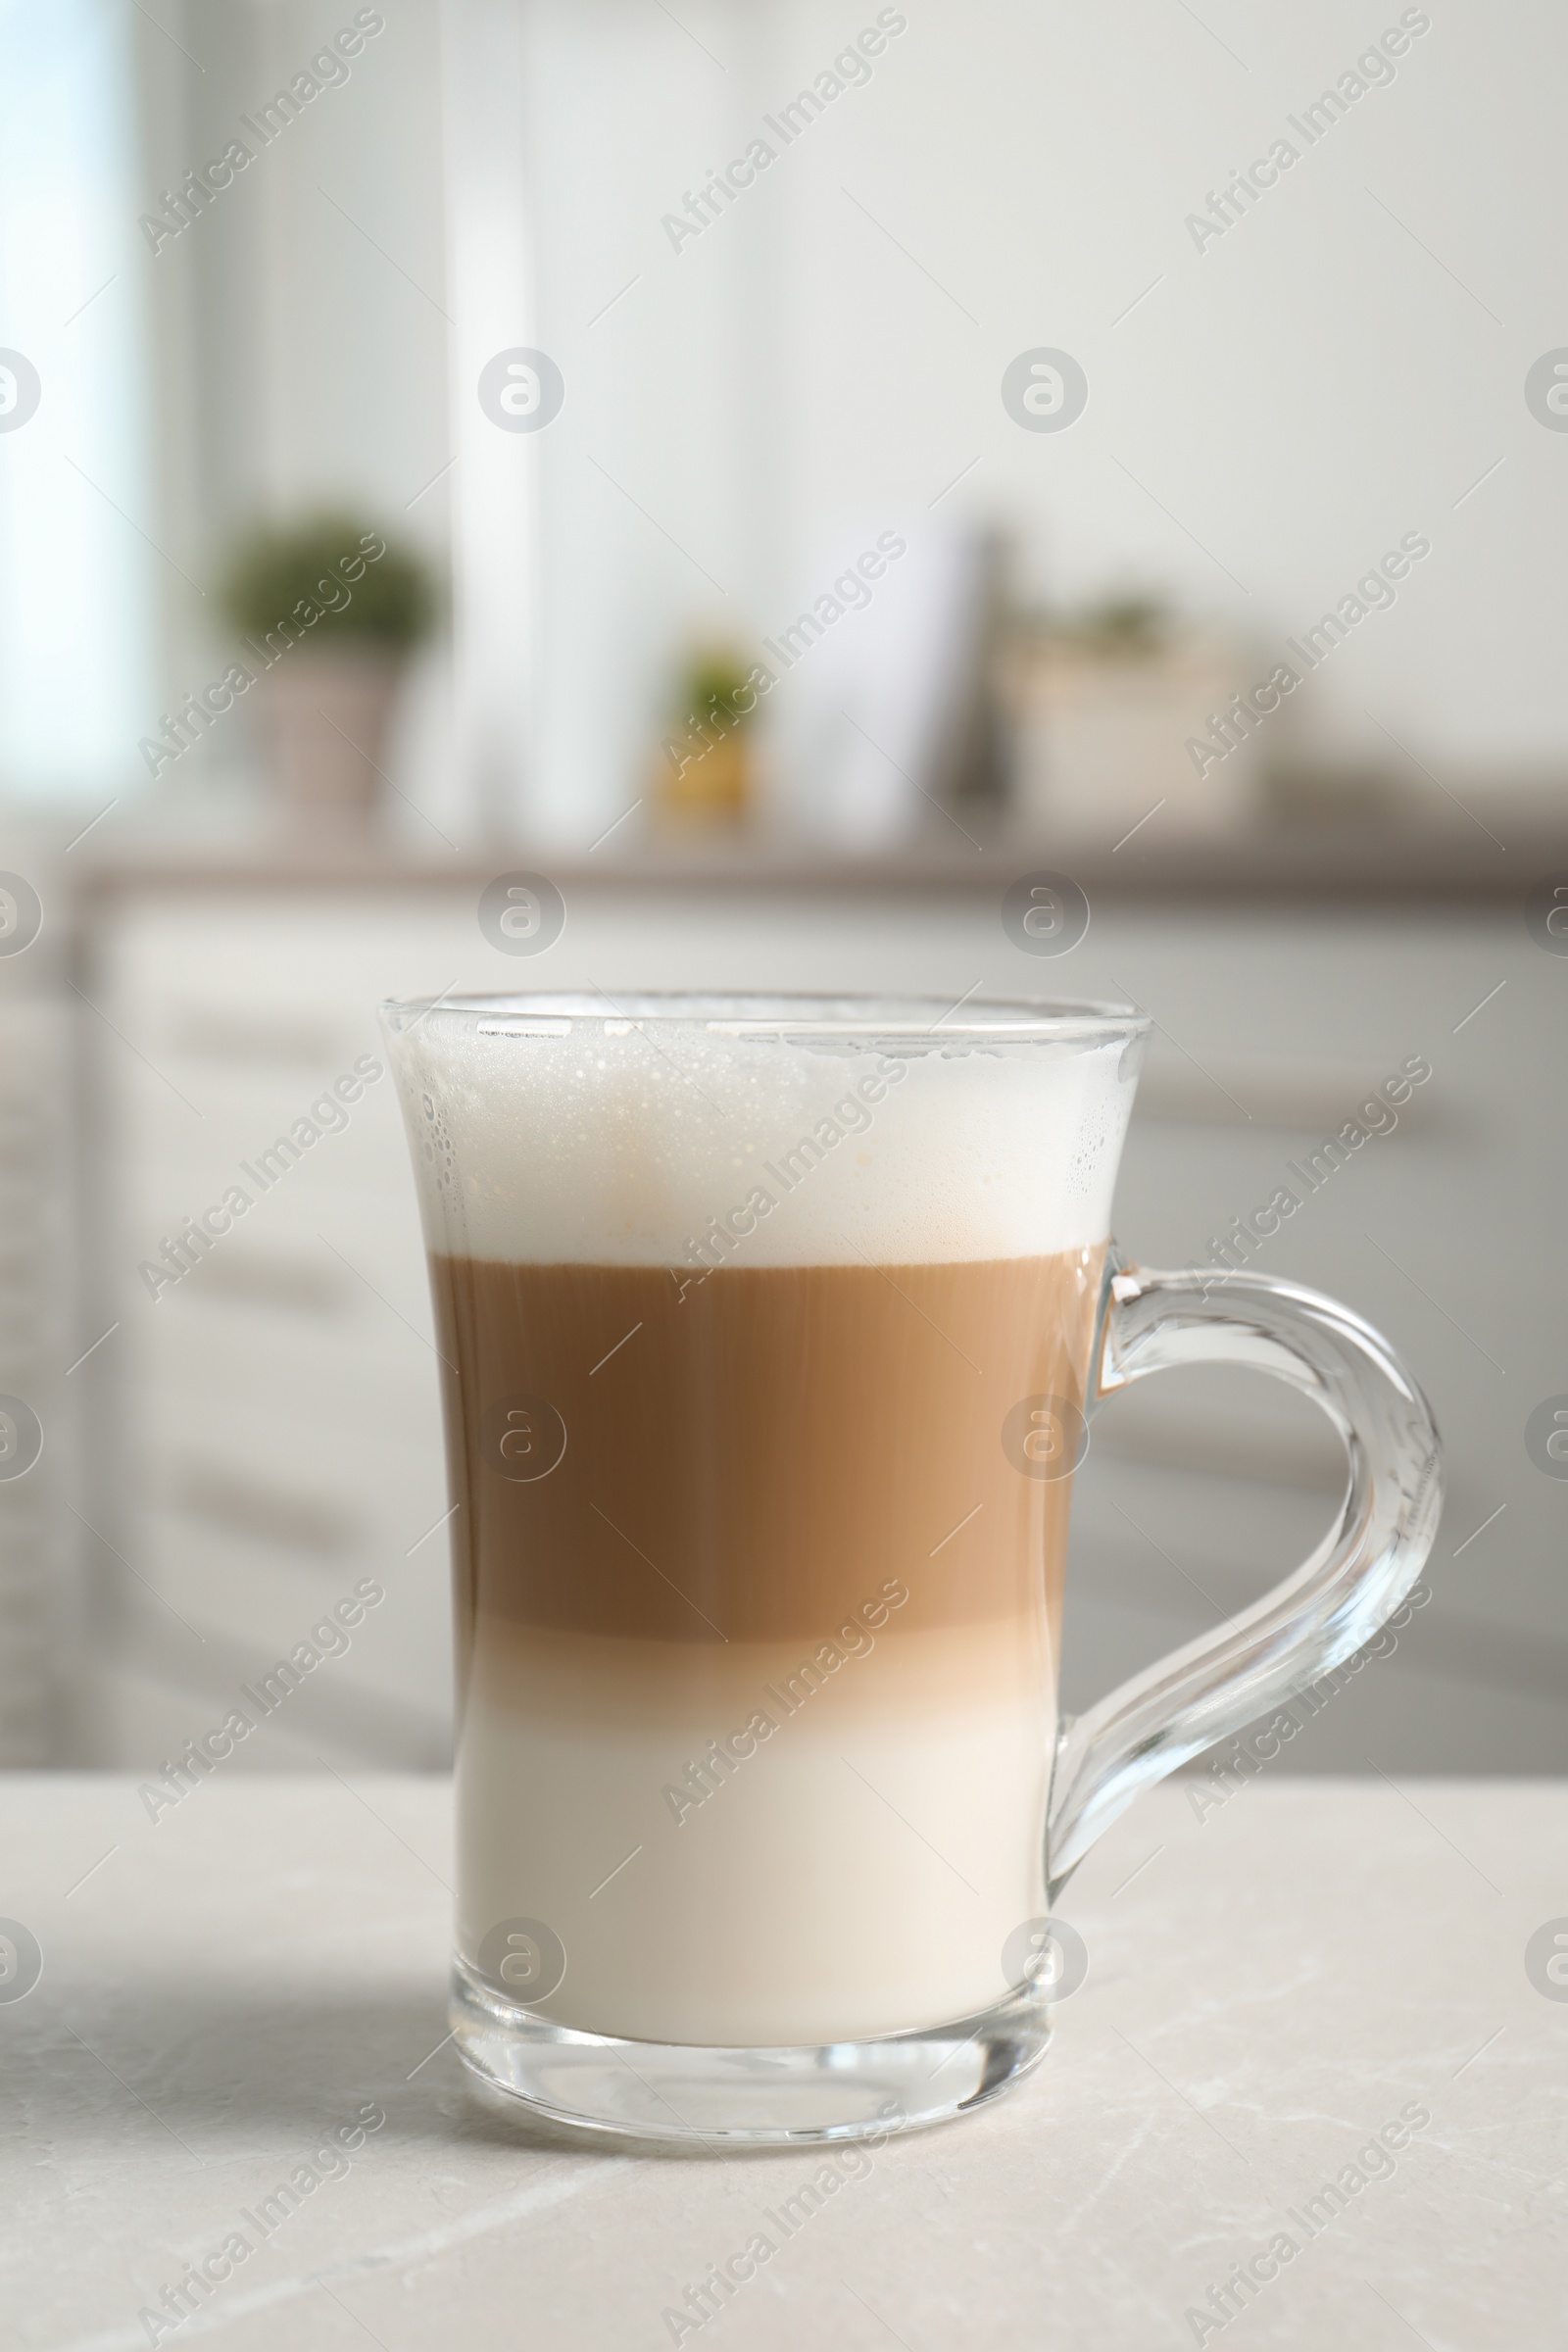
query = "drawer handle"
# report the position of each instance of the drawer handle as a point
(220, 1038)
(223, 1498)
(272, 1278)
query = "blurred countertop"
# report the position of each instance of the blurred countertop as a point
(1271, 1988)
(1380, 860)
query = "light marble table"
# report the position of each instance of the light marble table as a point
(1270, 1987)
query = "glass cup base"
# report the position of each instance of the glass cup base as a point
(683, 2095)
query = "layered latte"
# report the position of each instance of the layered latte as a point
(758, 1589)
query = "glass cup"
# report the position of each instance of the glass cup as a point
(769, 1329)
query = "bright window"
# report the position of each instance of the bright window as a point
(78, 585)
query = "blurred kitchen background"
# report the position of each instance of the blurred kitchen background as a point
(781, 476)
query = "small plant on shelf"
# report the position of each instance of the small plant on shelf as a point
(334, 572)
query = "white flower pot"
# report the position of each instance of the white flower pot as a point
(324, 714)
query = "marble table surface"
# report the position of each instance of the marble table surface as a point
(1313, 1984)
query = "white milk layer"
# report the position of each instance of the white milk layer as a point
(854, 1871)
(583, 1138)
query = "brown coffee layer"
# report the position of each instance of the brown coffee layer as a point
(757, 1456)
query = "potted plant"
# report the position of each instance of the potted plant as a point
(328, 613)
(1106, 706)
(704, 776)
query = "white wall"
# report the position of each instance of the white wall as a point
(302, 323)
(1275, 412)
(1284, 405)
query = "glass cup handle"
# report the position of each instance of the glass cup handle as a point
(1354, 1580)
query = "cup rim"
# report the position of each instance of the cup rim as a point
(758, 1014)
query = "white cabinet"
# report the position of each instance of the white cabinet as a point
(269, 1425)
(36, 1628)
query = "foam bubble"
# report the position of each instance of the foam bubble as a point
(596, 1140)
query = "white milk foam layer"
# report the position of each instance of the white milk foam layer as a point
(589, 1141)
